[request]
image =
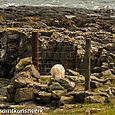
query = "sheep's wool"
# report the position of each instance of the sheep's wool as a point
(58, 71)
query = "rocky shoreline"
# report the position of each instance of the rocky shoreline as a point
(62, 34)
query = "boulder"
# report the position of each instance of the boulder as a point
(67, 84)
(66, 99)
(77, 79)
(33, 70)
(22, 79)
(46, 79)
(95, 99)
(56, 94)
(71, 72)
(110, 47)
(95, 84)
(38, 86)
(78, 96)
(22, 63)
(107, 73)
(104, 66)
(24, 94)
(96, 75)
(97, 69)
(10, 93)
(56, 86)
(44, 96)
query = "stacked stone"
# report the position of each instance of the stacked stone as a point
(26, 86)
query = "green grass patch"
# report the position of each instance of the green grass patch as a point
(94, 109)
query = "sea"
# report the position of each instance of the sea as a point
(88, 4)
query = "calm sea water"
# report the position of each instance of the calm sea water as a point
(89, 4)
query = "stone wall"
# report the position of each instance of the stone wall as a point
(12, 49)
(56, 47)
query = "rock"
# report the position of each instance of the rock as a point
(76, 79)
(113, 90)
(56, 86)
(113, 71)
(103, 94)
(22, 79)
(46, 33)
(24, 94)
(71, 72)
(95, 99)
(4, 106)
(44, 96)
(104, 66)
(107, 73)
(32, 69)
(97, 69)
(78, 96)
(92, 111)
(3, 98)
(66, 99)
(110, 47)
(10, 93)
(95, 84)
(40, 87)
(22, 63)
(67, 84)
(56, 94)
(12, 35)
(96, 75)
(46, 79)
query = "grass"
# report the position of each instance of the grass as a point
(94, 109)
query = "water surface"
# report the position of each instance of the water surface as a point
(89, 4)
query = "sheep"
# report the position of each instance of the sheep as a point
(58, 71)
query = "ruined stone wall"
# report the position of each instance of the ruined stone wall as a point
(18, 45)
(57, 47)
(11, 50)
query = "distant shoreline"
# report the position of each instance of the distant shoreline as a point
(54, 10)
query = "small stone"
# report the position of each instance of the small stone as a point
(92, 111)
(95, 99)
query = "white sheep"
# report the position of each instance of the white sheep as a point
(58, 71)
